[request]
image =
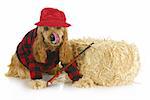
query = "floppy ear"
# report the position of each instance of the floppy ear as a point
(39, 49)
(65, 51)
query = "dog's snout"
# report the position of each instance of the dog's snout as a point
(54, 38)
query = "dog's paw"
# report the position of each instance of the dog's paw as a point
(38, 84)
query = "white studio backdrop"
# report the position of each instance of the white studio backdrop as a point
(127, 20)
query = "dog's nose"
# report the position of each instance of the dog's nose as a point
(54, 38)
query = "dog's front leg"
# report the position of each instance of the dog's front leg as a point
(38, 84)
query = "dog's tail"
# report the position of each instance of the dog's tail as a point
(16, 69)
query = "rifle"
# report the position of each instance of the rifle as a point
(62, 69)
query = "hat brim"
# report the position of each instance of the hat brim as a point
(52, 24)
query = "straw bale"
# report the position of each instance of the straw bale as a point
(106, 63)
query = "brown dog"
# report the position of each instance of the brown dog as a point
(42, 48)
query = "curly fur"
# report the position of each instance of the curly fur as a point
(41, 44)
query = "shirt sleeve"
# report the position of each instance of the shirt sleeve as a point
(73, 72)
(25, 55)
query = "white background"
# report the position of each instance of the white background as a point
(127, 20)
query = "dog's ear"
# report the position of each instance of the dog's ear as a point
(39, 49)
(65, 51)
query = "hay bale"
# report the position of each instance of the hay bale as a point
(106, 63)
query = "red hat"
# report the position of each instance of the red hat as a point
(52, 17)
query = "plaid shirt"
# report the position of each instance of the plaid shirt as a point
(25, 55)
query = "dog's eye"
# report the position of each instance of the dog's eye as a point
(58, 28)
(62, 37)
(46, 28)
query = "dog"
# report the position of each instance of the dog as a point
(42, 48)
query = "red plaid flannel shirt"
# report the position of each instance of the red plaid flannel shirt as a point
(25, 55)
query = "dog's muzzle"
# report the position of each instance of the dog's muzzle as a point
(54, 38)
